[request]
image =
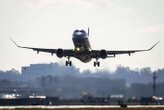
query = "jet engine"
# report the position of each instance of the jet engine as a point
(60, 53)
(103, 54)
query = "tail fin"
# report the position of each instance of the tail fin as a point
(88, 31)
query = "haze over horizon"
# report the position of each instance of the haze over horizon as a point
(114, 25)
(57, 80)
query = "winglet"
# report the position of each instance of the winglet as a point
(14, 42)
(153, 46)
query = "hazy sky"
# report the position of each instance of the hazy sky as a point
(114, 24)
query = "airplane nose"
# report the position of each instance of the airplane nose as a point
(79, 34)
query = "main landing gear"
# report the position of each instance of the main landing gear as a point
(68, 62)
(96, 63)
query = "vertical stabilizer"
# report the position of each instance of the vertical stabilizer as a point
(88, 31)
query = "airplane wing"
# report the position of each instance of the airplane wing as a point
(66, 52)
(113, 53)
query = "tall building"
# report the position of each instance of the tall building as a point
(36, 70)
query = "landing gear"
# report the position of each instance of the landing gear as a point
(96, 63)
(68, 62)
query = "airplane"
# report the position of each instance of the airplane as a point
(82, 50)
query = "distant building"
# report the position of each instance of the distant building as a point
(36, 70)
(117, 97)
(40, 97)
(9, 96)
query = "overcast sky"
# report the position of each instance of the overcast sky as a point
(114, 25)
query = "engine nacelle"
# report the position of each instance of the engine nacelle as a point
(60, 53)
(103, 54)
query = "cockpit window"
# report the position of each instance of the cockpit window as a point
(82, 31)
(79, 33)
